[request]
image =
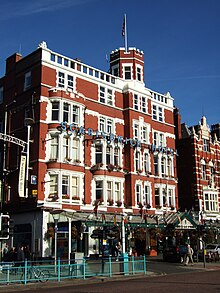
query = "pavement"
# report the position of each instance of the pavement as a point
(200, 266)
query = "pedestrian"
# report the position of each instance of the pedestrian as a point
(5, 252)
(27, 253)
(21, 256)
(118, 250)
(12, 255)
(189, 255)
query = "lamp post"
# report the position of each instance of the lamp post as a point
(56, 216)
(3, 191)
(124, 254)
(123, 234)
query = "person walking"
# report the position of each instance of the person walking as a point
(189, 255)
(21, 256)
(118, 250)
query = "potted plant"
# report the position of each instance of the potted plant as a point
(140, 205)
(96, 167)
(53, 197)
(66, 196)
(110, 167)
(67, 159)
(110, 201)
(148, 206)
(117, 167)
(98, 202)
(118, 202)
(76, 198)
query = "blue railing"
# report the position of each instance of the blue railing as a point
(69, 269)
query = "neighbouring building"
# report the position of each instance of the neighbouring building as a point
(198, 169)
(96, 149)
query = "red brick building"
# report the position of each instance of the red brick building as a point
(99, 145)
(198, 167)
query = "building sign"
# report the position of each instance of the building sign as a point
(185, 224)
(34, 192)
(21, 180)
(33, 179)
(78, 131)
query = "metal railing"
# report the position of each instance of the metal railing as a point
(11, 273)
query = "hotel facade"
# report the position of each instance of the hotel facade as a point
(95, 148)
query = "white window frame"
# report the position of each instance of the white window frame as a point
(159, 139)
(55, 110)
(139, 71)
(54, 147)
(127, 72)
(106, 95)
(61, 79)
(73, 113)
(115, 188)
(203, 169)
(146, 161)
(136, 102)
(137, 161)
(157, 113)
(106, 125)
(143, 104)
(138, 193)
(211, 203)
(147, 194)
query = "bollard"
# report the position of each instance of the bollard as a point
(58, 268)
(110, 266)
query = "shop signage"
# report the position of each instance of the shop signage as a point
(21, 180)
(34, 191)
(185, 224)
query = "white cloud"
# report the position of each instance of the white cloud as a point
(14, 8)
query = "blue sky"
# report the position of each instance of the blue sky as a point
(180, 40)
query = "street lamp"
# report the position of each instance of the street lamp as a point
(56, 216)
(3, 191)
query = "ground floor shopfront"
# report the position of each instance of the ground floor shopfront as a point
(97, 236)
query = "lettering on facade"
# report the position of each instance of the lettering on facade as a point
(110, 137)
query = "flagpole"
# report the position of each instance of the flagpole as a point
(126, 38)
